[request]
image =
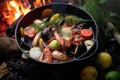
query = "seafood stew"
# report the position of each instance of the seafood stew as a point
(54, 36)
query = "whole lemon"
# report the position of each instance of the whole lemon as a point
(89, 73)
(104, 59)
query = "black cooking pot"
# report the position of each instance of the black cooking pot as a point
(63, 8)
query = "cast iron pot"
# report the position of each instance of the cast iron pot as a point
(63, 8)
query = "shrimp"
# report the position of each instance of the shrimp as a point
(59, 38)
(46, 56)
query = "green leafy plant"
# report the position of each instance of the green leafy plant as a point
(107, 24)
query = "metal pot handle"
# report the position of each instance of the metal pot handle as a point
(85, 57)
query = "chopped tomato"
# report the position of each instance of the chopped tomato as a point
(86, 33)
(30, 31)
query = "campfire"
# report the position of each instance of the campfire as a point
(11, 10)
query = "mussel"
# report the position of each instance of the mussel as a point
(89, 44)
(47, 33)
(44, 34)
(26, 42)
(76, 51)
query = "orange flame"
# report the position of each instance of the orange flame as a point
(38, 3)
(16, 8)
